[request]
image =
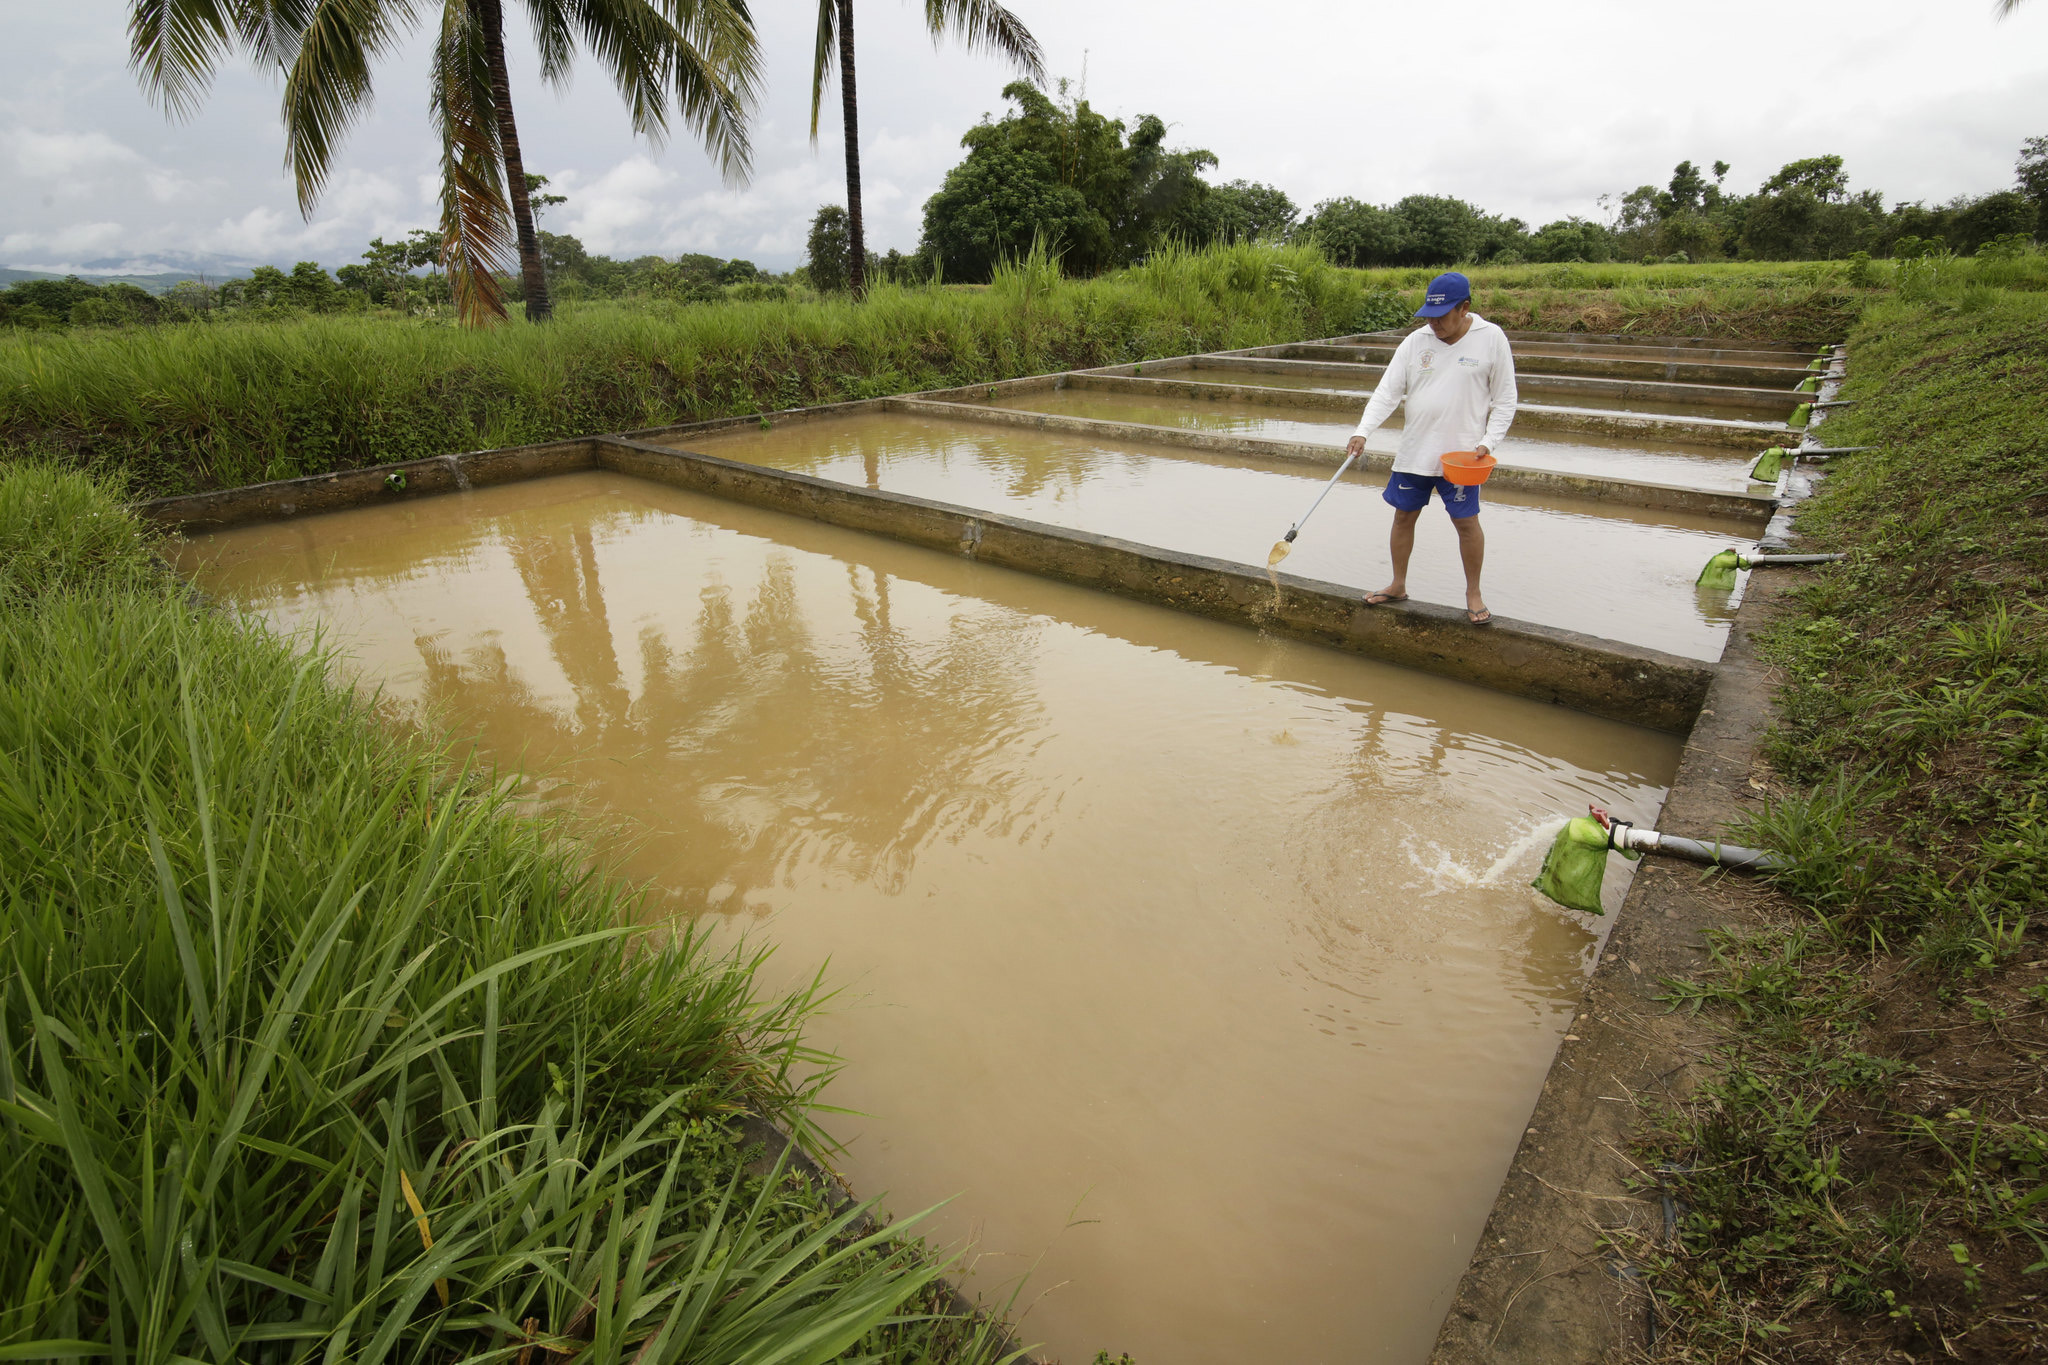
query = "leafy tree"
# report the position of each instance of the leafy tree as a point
(897, 268)
(564, 254)
(1820, 176)
(386, 276)
(55, 304)
(1688, 232)
(694, 58)
(980, 23)
(2032, 174)
(1085, 151)
(828, 249)
(2007, 213)
(1132, 192)
(1501, 240)
(1571, 239)
(536, 193)
(1161, 188)
(1242, 211)
(1436, 229)
(1422, 229)
(1686, 193)
(1352, 232)
(995, 203)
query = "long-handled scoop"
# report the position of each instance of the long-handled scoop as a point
(1285, 545)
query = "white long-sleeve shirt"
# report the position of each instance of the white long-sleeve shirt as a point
(1459, 396)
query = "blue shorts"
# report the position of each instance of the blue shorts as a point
(1410, 493)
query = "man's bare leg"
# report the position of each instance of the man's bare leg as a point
(1472, 550)
(1400, 545)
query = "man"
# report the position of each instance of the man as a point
(1458, 378)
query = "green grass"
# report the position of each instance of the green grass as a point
(191, 406)
(197, 406)
(276, 973)
(1865, 1174)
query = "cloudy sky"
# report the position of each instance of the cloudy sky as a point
(1529, 107)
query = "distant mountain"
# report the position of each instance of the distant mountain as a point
(155, 272)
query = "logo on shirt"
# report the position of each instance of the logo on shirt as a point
(1428, 359)
(1472, 361)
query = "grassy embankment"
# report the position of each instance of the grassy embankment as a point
(289, 996)
(198, 406)
(1863, 1177)
(174, 408)
(1754, 300)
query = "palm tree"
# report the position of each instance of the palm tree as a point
(696, 59)
(981, 23)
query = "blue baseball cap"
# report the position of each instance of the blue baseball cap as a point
(1445, 292)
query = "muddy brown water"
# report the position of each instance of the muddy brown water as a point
(1687, 464)
(1607, 402)
(1598, 567)
(1197, 968)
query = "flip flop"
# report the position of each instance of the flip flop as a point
(1381, 599)
(1481, 617)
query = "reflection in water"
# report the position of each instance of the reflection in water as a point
(1602, 568)
(1199, 965)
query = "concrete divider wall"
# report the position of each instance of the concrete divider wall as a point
(1529, 378)
(1702, 348)
(1654, 496)
(201, 512)
(1616, 367)
(1602, 677)
(1561, 415)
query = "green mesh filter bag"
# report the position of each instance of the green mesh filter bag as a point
(1577, 861)
(1720, 571)
(1799, 415)
(1810, 384)
(1768, 465)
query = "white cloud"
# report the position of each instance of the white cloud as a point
(1548, 107)
(65, 155)
(74, 241)
(620, 202)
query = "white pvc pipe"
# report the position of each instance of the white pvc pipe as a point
(1626, 836)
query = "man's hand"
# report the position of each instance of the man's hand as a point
(1355, 446)
(1483, 450)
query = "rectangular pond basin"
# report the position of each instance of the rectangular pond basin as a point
(1691, 464)
(1198, 968)
(1577, 395)
(1655, 366)
(1597, 567)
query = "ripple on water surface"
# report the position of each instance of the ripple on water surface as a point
(1199, 966)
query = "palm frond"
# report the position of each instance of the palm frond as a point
(476, 233)
(327, 83)
(986, 24)
(698, 60)
(270, 30)
(2006, 7)
(822, 60)
(553, 39)
(174, 46)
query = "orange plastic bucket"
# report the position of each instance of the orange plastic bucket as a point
(1468, 466)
